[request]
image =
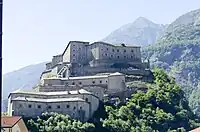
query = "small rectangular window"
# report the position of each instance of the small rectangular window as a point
(100, 81)
(39, 106)
(58, 106)
(29, 106)
(49, 107)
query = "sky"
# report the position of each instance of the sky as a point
(35, 30)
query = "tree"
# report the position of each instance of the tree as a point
(58, 123)
(161, 108)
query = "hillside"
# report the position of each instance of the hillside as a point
(24, 78)
(177, 51)
(141, 32)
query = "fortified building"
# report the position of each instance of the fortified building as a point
(74, 82)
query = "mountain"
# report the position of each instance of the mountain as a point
(141, 32)
(174, 47)
(24, 78)
(178, 52)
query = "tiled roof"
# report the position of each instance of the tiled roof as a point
(195, 130)
(80, 91)
(47, 100)
(9, 121)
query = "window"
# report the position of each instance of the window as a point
(86, 99)
(105, 54)
(68, 106)
(107, 48)
(131, 50)
(80, 108)
(111, 56)
(73, 83)
(93, 82)
(113, 50)
(74, 107)
(124, 50)
(29, 106)
(80, 83)
(39, 106)
(49, 107)
(73, 54)
(73, 44)
(117, 56)
(73, 49)
(117, 50)
(58, 106)
(20, 105)
(124, 56)
(100, 81)
(131, 56)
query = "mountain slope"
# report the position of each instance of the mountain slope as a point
(177, 51)
(141, 32)
(23, 78)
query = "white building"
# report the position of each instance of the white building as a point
(109, 83)
(78, 104)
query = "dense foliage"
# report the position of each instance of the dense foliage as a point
(177, 52)
(58, 123)
(163, 107)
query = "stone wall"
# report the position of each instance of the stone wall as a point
(32, 104)
(74, 109)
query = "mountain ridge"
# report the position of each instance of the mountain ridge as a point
(141, 32)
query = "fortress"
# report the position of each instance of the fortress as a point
(74, 82)
(82, 58)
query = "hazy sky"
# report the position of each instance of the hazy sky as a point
(35, 30)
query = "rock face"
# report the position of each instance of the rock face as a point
(141, 32)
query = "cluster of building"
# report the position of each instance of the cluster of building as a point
(76, 81)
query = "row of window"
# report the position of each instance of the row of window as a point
(49, 107)
(113, 50)
(117, 56)
(73, 83)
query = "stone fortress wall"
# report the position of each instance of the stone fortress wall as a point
(76, 103)
(90, 59)
(74, 82)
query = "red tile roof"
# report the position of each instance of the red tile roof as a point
(196, 130)
(9, 121)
